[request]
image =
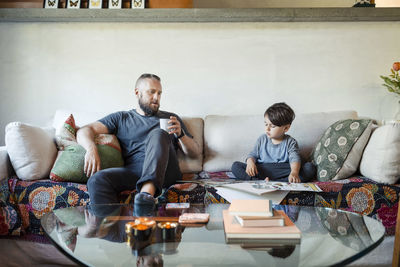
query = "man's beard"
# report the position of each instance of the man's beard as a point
(148, 111)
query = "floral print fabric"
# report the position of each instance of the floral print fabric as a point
(23, 203)
(35, 198)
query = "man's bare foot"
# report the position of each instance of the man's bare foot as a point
(149, 188)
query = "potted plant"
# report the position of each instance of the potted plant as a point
(392, 84)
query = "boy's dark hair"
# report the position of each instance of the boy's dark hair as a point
(280, 114)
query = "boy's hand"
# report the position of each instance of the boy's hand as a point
(294, 178)
(251, 168)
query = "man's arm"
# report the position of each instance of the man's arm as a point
(85, 137)
(188, 145)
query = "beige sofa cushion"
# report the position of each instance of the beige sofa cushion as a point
(194, 125)
(186, 164)
(231, 138)
(5, 164)
(381, 158)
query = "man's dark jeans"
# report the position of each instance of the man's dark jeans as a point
(160, 165)
(275, 171)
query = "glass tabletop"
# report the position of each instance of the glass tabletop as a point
(329, 237)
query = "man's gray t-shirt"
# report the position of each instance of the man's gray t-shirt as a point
(265, 151)
(132, 129)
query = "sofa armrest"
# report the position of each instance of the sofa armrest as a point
(6, 169)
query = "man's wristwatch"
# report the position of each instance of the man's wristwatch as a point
(181, 135)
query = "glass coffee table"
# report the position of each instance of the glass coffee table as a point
(96, 236)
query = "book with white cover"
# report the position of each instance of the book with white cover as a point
(251, 207)
(235, 233)
(254, 221)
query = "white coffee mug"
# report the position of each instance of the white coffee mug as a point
(164, 124)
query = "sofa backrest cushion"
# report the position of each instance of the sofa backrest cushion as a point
(381, 158)
(338, 152)
(82, 118)
(194, 125)
(31, 149)
(231, 138)
(69, 165)
(6, 169)
(186, 164)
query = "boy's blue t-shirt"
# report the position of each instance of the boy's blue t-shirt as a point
(265, 151)
(132, 129)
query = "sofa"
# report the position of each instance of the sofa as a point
(364, 182)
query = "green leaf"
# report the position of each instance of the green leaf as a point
(388, 87)
(390, 82)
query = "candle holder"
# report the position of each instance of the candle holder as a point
(167, 231)
(140, 230)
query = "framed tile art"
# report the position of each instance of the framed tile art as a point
(95, 3)
(114, 4)
(137, 3)
(73, 4)
(50, 3)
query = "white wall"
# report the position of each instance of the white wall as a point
(221, 68)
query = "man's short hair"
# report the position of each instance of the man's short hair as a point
(280, 114)
(146, 76)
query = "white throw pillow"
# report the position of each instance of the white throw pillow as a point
(381, 158)
(31, 149)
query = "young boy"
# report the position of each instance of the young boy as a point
(275, 155)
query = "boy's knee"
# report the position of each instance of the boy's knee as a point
(309, 171)
(236, 165)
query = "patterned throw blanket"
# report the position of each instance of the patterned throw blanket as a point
(356, 194)
(22, 203)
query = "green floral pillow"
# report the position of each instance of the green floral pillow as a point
(71, 156)
(338, 152)
(349, 229)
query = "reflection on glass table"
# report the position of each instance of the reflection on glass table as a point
(116, 238)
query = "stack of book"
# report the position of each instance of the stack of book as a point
(254, 221)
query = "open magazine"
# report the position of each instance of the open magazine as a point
(287, 186)
(258, 187)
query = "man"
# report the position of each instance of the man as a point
(149, 152)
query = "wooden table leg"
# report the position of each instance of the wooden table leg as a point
(396, 247)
